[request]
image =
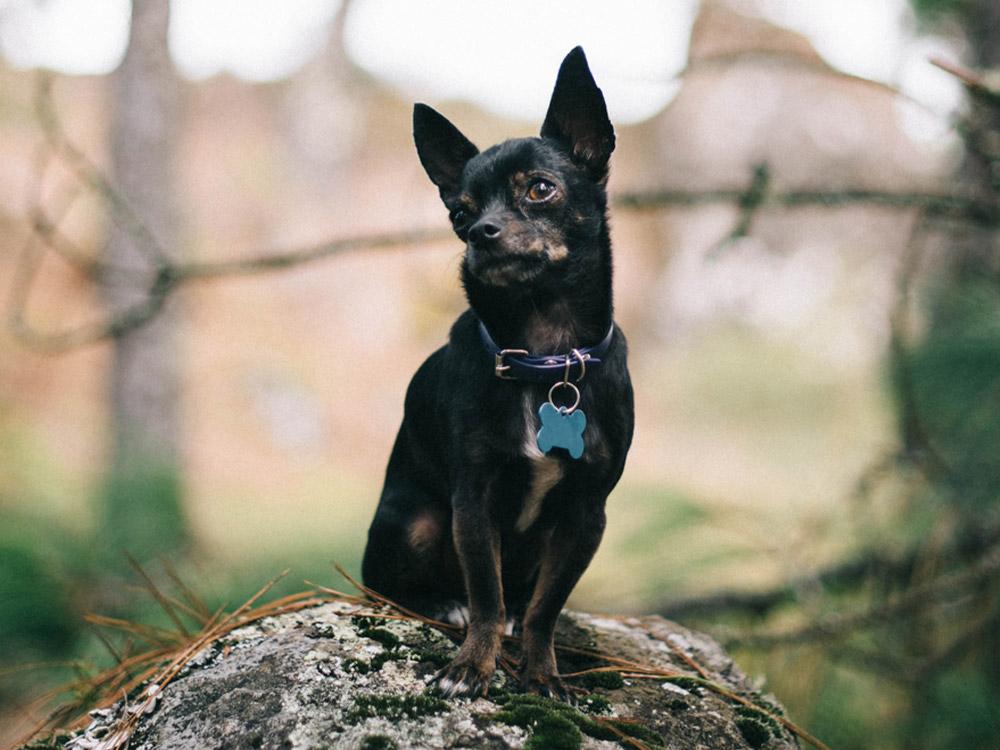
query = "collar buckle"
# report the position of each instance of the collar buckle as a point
(500, 369)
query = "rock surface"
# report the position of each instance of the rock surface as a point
(326, 677)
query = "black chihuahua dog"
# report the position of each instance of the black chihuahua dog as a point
(514, 432)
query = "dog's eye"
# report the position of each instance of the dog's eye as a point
(458, 216)
(541, 191)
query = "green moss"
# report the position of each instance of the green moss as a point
(546, 720)
(367, 627)
(607, 680)
(356, 666)
(499, 695)
(759, 716)
(319, 630)
(769, 706)
(370, 627)
(638, 732)
(554, 733)
(692, 684)
(394, 707)
(432, 657)
(377, 742)
(754, 732)
(362, 622)
(360, 666)
(386, 637)
(554, 724)
(380, 659)
(595, 704)
(756, 725)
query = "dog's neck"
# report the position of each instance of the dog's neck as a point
(548, 318)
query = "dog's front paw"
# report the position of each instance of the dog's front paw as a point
(462, 679)
(547, 684)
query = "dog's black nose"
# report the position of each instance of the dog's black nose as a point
(485, 231)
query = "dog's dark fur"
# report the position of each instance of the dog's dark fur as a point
(472, 512)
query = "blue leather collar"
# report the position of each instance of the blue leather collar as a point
(518, 364)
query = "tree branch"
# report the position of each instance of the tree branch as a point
(844, 575)
(976, 84)
(168, 276)
(943, 589)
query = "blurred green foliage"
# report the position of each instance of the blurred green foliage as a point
(955, 373)
(39, 566)
(931, 679)
(934, 10)
(142, 513)
(667, 513)
(43, 569)
(842, 712)
(960, 712)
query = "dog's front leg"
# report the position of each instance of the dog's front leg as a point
(566, 556)
(477, 542)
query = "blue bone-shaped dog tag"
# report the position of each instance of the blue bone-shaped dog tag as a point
(561, 429)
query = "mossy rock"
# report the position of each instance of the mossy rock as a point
(328, 677)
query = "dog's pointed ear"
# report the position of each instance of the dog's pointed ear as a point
(578, 117)
(442, 149)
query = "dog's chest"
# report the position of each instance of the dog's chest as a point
(545, 471)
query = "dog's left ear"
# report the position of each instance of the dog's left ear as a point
(578, 117)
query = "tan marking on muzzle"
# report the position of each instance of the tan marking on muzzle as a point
(550, 243)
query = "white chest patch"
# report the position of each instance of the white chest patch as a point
(545, 472)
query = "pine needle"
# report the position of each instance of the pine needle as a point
(193, 600)
(162, 600)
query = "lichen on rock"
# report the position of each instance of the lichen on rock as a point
(334, 676)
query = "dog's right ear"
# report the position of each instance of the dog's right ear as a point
(442, 149)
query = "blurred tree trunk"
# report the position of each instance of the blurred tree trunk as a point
(142, 500)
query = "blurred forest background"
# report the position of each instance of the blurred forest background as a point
(218, 287)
